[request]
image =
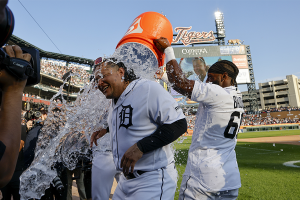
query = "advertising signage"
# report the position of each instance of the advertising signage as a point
(208, 51)
(208, 55)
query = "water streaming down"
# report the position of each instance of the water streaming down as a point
(65, 136)
(138, 57)
(68, 128)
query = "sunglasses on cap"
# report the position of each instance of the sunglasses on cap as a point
(98, 61)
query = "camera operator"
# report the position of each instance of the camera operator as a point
(12, 188)
(34, 126)
(10, 121)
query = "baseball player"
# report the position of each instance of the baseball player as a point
(212, 171)
(143, 120)
(103, 169)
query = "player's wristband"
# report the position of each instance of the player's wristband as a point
(169, 52)
(164, 78)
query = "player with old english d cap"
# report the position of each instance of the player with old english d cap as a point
(143, 120)
(212, 171)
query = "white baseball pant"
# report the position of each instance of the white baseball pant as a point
(159, 184)
(191, 189)
(103, 174)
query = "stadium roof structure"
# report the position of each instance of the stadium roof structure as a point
(14, 40)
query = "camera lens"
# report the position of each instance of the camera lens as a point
(37, 114)
(58, 184)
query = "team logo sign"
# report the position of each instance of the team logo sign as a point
(135, 27)
(126, 116)
(192, 37)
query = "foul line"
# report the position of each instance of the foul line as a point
(291, 164)
(271, 151)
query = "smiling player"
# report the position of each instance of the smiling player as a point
(143, 120)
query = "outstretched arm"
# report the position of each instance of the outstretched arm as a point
(175, 75)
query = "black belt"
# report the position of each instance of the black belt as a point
(132, 176)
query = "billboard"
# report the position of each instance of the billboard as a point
(187, 56)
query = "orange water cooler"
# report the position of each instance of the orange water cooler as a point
(147, 27)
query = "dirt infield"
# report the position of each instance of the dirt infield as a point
(75, 195)
(291, 139)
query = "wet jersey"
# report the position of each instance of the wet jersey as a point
(212, 158)
(139, 111)
(104, 145)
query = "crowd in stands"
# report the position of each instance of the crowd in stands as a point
(252, 120)
(191, 121)
(38, 97)
(280, 109)
(58, 69)
(31, 96)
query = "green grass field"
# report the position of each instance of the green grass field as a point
(261, 167)
(268, 134)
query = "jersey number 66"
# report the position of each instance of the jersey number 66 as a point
(232, 124)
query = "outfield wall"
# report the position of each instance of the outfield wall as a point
(283, 114)
(270, 127)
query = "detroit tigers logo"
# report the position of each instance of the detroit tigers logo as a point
(126, 116)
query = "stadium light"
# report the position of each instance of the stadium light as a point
(218, 14)
(220, 25)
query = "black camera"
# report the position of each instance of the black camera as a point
(19, 68)
(58, 185)
(57, 181)
(34, 114)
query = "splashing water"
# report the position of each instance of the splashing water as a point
(67, 130)
(65, 135)
(139, 58)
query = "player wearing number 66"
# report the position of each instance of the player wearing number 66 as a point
(212, 171)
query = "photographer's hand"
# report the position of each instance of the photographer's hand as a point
(8, 82)
(29, 124)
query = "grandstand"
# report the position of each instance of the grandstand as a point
(53, 68)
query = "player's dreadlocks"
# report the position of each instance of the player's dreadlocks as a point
(225, 66)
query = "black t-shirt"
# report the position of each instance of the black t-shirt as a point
(20, 161)
(30, 145)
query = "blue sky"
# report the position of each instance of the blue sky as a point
(92, 28)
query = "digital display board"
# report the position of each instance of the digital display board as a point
(186, 56)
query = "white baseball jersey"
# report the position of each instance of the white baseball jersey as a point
(104, 145)
(212, 158)
(139, 111)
